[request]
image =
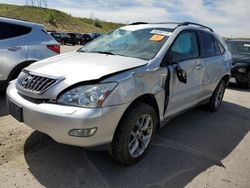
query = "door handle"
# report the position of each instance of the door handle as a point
(14, 48)
(198, 67)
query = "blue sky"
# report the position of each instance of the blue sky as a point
(228, 17)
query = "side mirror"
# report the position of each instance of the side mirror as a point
(181, 74)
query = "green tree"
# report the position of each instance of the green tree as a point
(97, 23)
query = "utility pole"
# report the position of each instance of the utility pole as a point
(37, 3)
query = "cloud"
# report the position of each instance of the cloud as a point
(227, 17)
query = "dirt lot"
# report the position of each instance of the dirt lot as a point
(196, 149)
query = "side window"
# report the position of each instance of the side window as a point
(185, 47)
(208, 44)
(222, 50)
(11, 30)
(4, 31)
(217, 48)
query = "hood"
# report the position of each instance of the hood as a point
(80, 66)
(241, 58)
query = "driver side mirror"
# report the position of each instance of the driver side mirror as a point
(181, 74)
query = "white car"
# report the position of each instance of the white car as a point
(22, 43)
(118, 89)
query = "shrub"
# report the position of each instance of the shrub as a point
(51, 19)
(97, 23)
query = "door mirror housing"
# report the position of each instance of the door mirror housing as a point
(181, 74)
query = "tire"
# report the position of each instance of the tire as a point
(217, 96)
(134, 134)
(244, 84)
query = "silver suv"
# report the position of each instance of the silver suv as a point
(117, 90)
(22, 43)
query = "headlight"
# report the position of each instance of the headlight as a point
(87, 96)
(242, 70)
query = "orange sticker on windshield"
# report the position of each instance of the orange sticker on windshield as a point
(157, 38)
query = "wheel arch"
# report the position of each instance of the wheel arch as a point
(148, 99)
(17, 69)
(226, 78)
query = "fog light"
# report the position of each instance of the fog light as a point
(82, 132)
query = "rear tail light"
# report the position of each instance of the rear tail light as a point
(54, 48)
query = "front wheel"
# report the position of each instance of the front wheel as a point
(217, 97)
(134, 134)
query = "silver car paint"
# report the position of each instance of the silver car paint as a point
(147, 79)
(29, 47)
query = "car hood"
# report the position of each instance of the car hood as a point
(79, 66)
(241, 58)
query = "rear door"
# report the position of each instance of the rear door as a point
(185, 52)
(213, 59)
(12, 50)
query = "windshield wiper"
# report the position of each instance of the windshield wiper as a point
(103, 52)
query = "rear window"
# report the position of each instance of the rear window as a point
(8, 30)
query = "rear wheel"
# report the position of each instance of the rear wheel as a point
(217, 97)
(134, 134)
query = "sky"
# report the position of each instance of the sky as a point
(229, 18)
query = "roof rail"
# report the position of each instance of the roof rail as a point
(138, 23)
(177, 23)
(192, 23)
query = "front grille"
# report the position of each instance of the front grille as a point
(35, 83)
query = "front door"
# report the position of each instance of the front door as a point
(185, 52)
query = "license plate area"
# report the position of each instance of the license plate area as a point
(16, 111)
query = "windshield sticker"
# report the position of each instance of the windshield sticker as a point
(160, 32)
(157, 38)
(246, 45)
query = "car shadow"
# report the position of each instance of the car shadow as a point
(185, 147)
(3, 106)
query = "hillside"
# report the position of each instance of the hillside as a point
(55, 20)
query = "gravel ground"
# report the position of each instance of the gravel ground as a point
(195, 149)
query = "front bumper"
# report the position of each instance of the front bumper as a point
(57, 120)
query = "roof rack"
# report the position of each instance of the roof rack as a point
(138, 23)
(177, 23)
(192, 23)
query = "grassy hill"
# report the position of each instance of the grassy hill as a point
(55, 20)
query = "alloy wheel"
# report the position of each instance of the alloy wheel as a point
(141, 135)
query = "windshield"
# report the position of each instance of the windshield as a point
(142, 44)
(239, 47)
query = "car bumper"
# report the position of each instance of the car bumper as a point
(57, 120)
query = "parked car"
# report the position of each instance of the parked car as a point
(118, 89)
(56, 36)
(68, 38)
(79, 38)
(87, 37)
(22, 43)
(96, 35)
(240, 50)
